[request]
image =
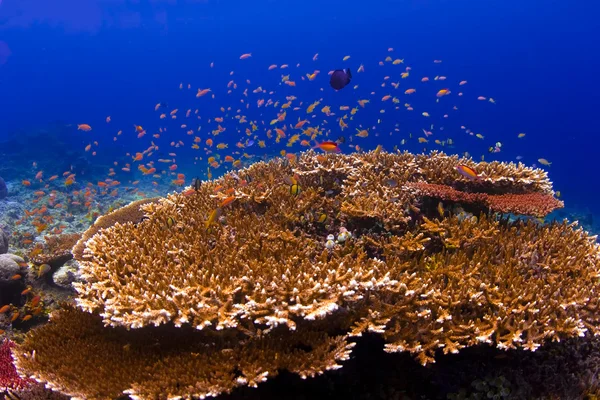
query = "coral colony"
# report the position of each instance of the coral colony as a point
(195, 294)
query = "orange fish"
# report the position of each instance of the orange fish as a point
(84, 127)
(328, 147)
(35, 301)
(467, 172)
(227, 201)
(246, 55)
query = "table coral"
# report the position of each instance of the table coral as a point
(81, 358)
(424, 277)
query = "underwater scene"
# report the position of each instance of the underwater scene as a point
(277, 199)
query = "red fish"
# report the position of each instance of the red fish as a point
(328, 147)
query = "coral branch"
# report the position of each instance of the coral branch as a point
(534, 204)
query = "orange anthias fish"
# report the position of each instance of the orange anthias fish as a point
(467, 172)
(328, 147)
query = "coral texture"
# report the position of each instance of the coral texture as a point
(56, 251)
(3, 242)
(3, 189)
(9, 379)
(130, 213)
(81, 358)
(10, 265)
(262, 270)
(534, 204)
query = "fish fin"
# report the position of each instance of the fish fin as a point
(349, 73)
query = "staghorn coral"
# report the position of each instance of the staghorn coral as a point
(129, 213)
(482, 280)
(424, 284)
(81, 358)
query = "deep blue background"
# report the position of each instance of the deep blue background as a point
(79, 61)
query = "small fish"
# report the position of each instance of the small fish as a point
(467, 172)
(322, 218)
(440, 209)
(328, 147)
(197, 183)
(227, 201)
(4, 309)
(295, 189)
(340, 78)
(44, 268)
(35, 301)
(545, 162)
(443, 92)
(171, 222)
(392, 183)
(84, 127)
(213, 217)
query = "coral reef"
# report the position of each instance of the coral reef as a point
(3, 189)
(3, 242)
(129, 213)
(72, 352)
(9, 378)
(534, 204)
(10, 265)
(56, 250)
(252, 265)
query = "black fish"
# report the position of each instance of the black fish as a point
(197, 183)
(340, 78)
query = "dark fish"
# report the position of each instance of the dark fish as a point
(197, 183)
(340, 78)
(341, 140)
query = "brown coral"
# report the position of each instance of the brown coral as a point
(425, 284)
(80, 357)
(56, 251)
(129, 213)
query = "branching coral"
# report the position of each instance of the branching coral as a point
(265, 268)
(130, 213)
(534, 204)
(82, 358)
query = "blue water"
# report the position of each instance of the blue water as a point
(74, 61)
